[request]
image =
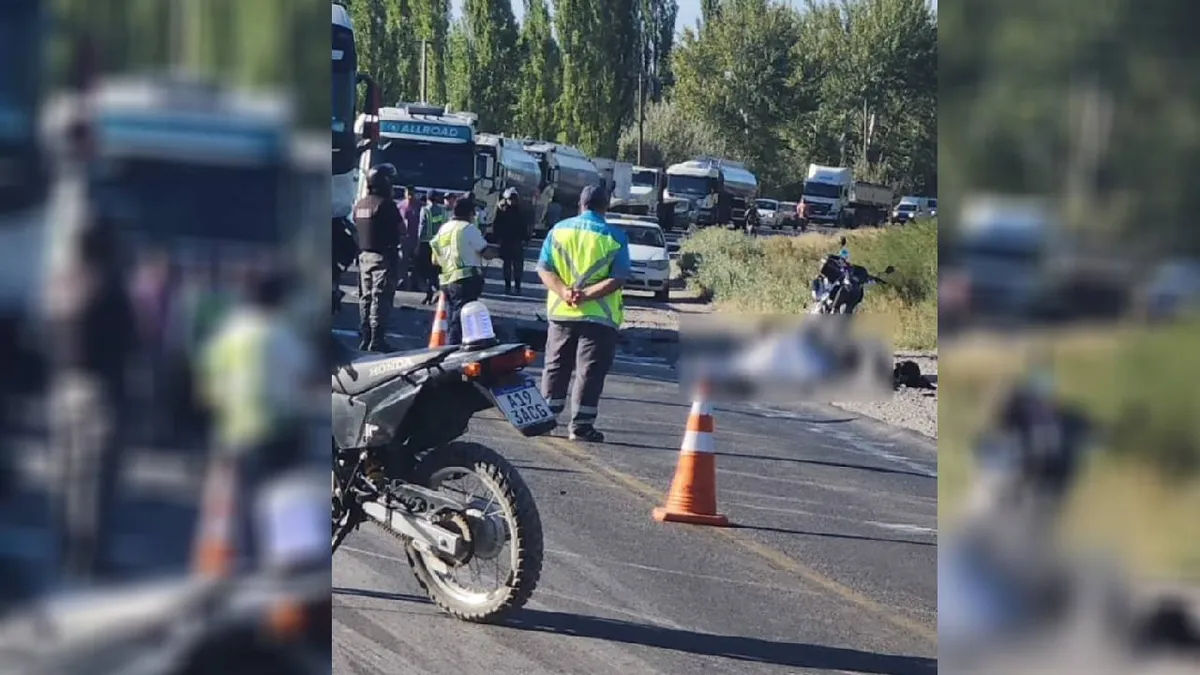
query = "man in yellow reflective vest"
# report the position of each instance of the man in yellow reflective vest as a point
(460, 249)
(584, 263)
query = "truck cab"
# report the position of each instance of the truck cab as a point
(998, 258)
(695, 188)
(216, 178)
(646, 186)
(827, 193)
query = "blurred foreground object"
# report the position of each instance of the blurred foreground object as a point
(272, 620)
(24, 183)
(1007, 585)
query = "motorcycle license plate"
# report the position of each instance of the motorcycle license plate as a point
(522, 404)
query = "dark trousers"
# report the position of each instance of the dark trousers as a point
(427, 272)
(457, 295)
(86, 435)
(587, 350)
(513, 263)
(376, 293)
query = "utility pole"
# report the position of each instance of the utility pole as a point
(424, 72)
(641, 95)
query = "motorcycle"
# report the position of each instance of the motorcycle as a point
(839, 287)
(397, 423)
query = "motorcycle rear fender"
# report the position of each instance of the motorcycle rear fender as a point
(486, 391)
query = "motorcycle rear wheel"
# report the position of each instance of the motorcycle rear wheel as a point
(520, 528)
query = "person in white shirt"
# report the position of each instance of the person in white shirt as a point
(459, 249)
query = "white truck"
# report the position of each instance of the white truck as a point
(647, 185)
(431, 148)
(833, 196)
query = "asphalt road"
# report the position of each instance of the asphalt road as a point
(831, 568)
(155, 515)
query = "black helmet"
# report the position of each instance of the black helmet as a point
(380, 178)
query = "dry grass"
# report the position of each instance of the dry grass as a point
(772, 274)
(1141, 492)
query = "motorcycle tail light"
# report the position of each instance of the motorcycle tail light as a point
(507, 363)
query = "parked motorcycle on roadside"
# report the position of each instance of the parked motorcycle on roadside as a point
(839, 287)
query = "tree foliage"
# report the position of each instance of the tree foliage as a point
(1092, 102)
(265, 43)
(540, 77)
(670, 137)
(850, 83)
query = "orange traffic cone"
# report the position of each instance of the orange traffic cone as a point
(693, 495)
(213, 556)
(437, 336)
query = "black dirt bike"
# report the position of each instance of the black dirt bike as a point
(396, 423)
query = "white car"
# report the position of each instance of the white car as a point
(648, 255)
(768, 212)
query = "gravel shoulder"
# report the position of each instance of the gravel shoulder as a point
(913, 409)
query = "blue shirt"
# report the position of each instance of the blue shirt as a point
(592, 222)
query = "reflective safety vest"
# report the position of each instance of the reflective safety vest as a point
(233, 379)
(436, 215)
(448, 245)
(582, 254)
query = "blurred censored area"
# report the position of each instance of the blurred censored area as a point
(1069, 442)
(163, 273)
(781, 360)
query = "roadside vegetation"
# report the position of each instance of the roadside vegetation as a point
(1140, 492)
(772, 274)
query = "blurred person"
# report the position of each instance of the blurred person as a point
(751, 218)
(509, 228)
(584, 263)
(802, 214)
(460, 249)
(379, 224)
(433, 216)
(254, 372)
(410, 235)
(92, 333)
(152, 290)
(202, 301)
(344, 250)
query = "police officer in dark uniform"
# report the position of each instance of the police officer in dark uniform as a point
(378, 222)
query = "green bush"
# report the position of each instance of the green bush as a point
(772, 274)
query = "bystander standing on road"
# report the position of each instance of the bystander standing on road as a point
(93, 334)
(410, 235)
(509, 228)
(378, 223)
(460, 249)
(433, 216)
(584, 263)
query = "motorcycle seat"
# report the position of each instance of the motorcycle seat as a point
(368, 371)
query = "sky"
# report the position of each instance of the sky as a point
(689, 10)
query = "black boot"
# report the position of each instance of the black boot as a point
(364, 338)
(380, 344)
